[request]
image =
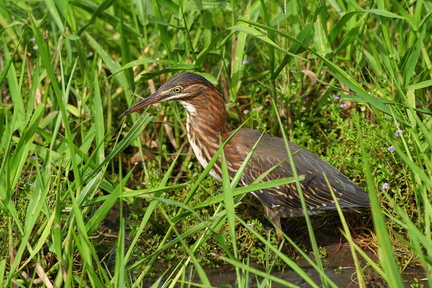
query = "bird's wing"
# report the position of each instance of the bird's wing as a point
(271, 150)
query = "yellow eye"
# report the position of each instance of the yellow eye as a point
(177, 89)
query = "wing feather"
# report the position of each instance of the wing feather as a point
(271, 150)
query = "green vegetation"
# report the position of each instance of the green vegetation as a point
(349, 81)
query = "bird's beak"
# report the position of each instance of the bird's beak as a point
(153, 98)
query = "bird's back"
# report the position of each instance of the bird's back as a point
(271, 151)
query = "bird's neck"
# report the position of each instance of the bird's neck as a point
(206, 117)
(206, 126)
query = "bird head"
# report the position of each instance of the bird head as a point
(181, 87)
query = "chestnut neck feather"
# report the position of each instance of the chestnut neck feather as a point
(206, 125)
(206, 115)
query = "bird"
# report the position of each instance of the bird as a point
(206, 126)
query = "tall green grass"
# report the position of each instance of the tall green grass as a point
(69, 68)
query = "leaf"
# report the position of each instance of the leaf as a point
(384, 13)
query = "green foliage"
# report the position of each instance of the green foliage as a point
(348, 80)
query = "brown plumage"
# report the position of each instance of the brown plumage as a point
(206, 126)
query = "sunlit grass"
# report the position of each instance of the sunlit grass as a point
(343, 79)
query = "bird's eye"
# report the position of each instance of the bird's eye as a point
(177, 89)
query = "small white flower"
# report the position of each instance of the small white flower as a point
(398, 133)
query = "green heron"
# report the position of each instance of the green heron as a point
(207, 126)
